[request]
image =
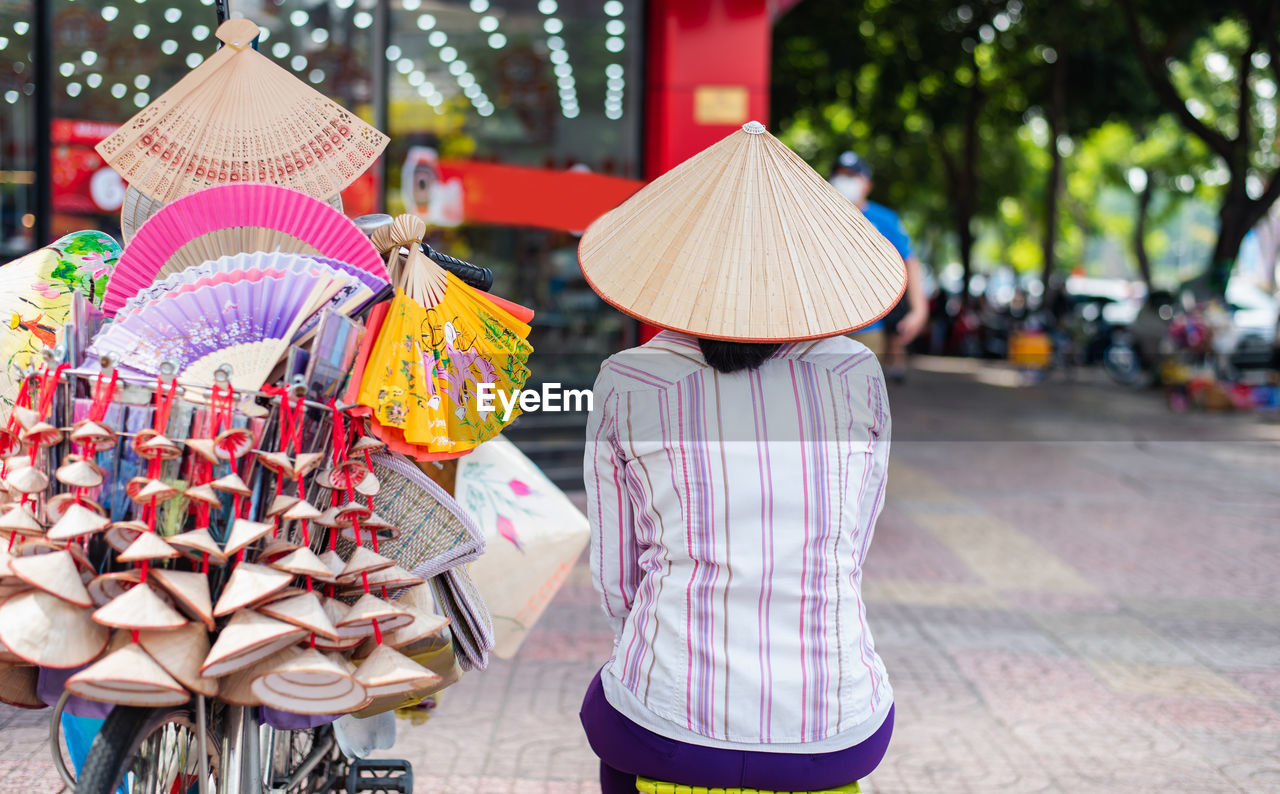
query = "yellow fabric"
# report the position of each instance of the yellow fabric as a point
(648, 786)
(427, 364)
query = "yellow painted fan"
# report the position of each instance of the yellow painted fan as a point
(240, 117)
(439, 342)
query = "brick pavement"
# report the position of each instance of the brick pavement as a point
(1072, 589)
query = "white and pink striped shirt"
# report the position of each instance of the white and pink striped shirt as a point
(730, 517)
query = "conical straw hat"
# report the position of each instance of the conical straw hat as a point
(304, 562)
(248, 584)
(233, 484)
(280, 503)
(364, 561)
(307, 462)
(248, 638)
(745, 242)
(336, 610)
(237, 688)
(79, 474)
(45, 630)
(190, 590)
(59, 504)
(78, 521)
(244, 532)
(308, 682)
(425, 624)
(18, 686)
(359, 621)
(198, 542)
(240, 101)
(54, 573)
(393, 578)
(105, 587)
(301, 510)
(204, 494)
(333, 561)
(181, 652)
(139, 607)
(388, 672)
(128, 677)
(147, 546)
(121, 534)
(204, 447)
(21, 520)
(304, 610)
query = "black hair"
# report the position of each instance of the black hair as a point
(734, 356)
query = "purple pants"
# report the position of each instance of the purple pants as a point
(627, 749)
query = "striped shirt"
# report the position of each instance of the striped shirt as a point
(730, 517)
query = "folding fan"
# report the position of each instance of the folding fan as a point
(358, 286)
(440, 341)
(247, 324)
(233, 219)
(240, 117)
(138, 207)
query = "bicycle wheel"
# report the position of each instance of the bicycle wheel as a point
(303, 762)
(147, 751)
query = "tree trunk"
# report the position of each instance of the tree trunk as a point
(1140, 234)
(1233, 224)
(967, 204)
(1056, 119)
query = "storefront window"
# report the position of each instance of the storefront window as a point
(17, 154)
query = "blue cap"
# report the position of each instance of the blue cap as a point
(852, 162)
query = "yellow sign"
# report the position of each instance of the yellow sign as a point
(720, 104)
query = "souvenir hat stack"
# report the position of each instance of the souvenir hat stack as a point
(743, 242)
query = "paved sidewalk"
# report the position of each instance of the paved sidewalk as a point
(1073, 590)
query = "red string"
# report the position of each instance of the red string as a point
(377, 631)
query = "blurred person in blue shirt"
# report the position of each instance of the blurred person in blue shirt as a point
(889, 337)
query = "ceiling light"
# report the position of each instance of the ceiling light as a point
(497, 41)
(279, 49)
(437, 38)
(362, 20)
(448, 54)
(613, 8)
(10, 96)
(559, 56)
(416, 79)
(319, 35)
(172, 15)
(67, 69)
(298, 63)
(555, 43)
(485, 110)
(613, 70)
(140, 31)
(479, 6)
(411, 5)
(426, 22)
(472, 91)
(552, 25)
(73, 89)
(168, 46)
(563, 70)
(614, 44)
(21, 27)
(570, 113)
(299, 18)
(613, 113)
(94, 80)
(488, 23)
(200, 32)
(316, 76)
(109, 13)
(457, 67)
(140, 100)
(466, 80)
(141, 82)
(118, 90)
(194, 59)
(615, 27)
(404, 66)
(393, 52)
(547, 7)
(616, 83)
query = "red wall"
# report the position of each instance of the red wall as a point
(692, 44)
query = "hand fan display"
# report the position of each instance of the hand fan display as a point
(358, 286)
(240, 117)
(232, 219)
(247, 322)
(440, 340)
(36, 293)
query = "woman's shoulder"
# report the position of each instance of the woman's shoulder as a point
(662, 361)
(841, 355)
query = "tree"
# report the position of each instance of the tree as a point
(1209, 64)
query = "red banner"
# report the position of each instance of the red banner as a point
(511, 195)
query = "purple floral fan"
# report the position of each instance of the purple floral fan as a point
(246, 322)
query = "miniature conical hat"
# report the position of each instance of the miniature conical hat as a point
(336, 610)
(231, 483)
(190, 590)
(79, 474)
(359, 621)
(743, 241)
(155, 491)
(59, 504)
(364, 561)
(277, 462)
(54, 573)
(248, 638)
(181, 652)
(244, 532)
(425, 624)
(100, 436)
(274, 549)
(302, 511)
(204, 447)
(308, 682)
(104, 588)
(303, 610)
(147, 546)
(393, 578)
(198, 542)
(333, 561)
(28, 480)
(236, 688)
(128, 677)
(78, 521)
(21, 520)
(388, 672)
(160, 447)
(304, 562)
(306, 462)
(204, 494)
(248, 584)
(280, 503)
(139, 607)
(45, 630)
(18, 686)
(121, 534)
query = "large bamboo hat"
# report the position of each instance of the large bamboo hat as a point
(744, 242)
